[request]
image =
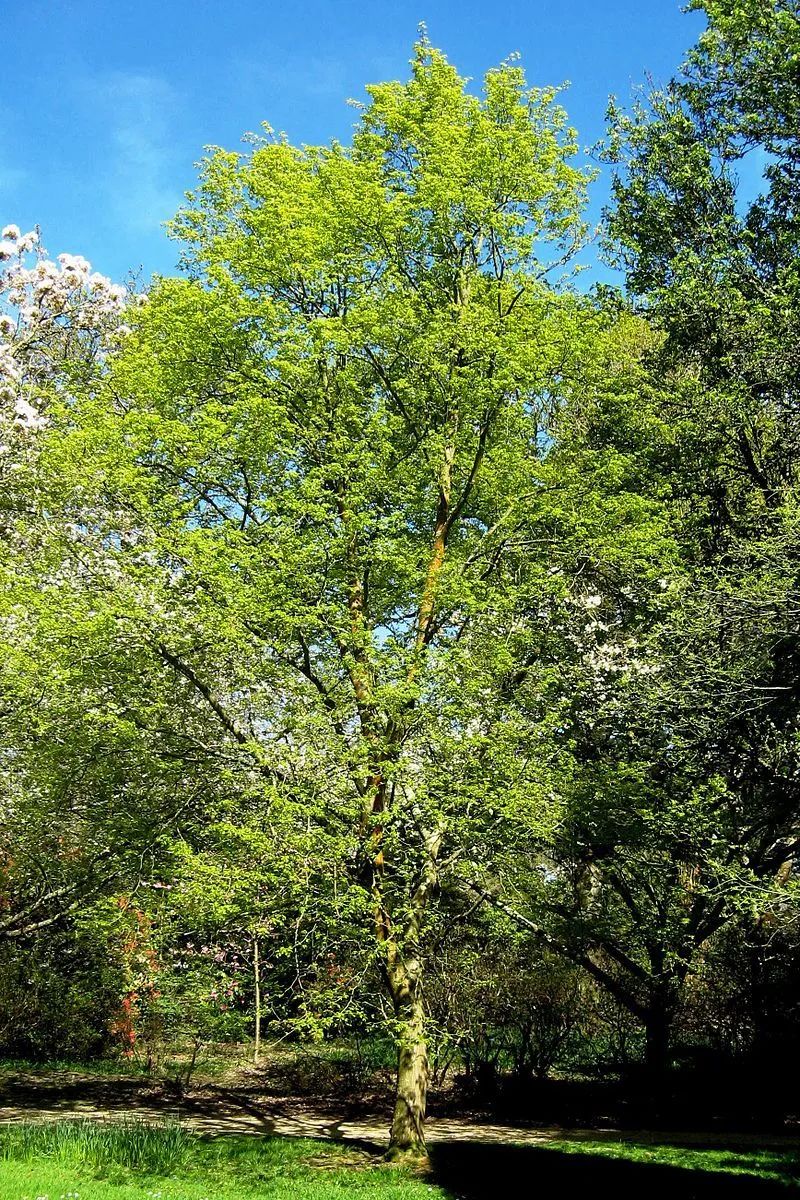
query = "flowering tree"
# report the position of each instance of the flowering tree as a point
(58, 322)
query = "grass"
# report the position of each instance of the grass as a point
(210, 1065)
(56, 1066)
(773, 1164)
(81, 1160)
(134, 1160)
(623, 1170)
(152, 1149)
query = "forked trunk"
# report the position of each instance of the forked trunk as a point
(408, 1124)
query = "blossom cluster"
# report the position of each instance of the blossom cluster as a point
(604, 648)
(57, 318)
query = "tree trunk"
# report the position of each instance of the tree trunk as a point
(257, 982)
(403, 975)
(657, 1043)
(408, 1124)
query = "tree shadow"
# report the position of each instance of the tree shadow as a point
(484, 1172)
(65, 1088)
(688, 1099)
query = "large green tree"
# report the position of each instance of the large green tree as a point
(319, 492)
(706, 222)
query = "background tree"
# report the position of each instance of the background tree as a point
(685, 811)
(58, 322)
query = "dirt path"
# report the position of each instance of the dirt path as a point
(217, 1110)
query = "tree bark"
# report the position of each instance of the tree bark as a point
(408, 1123)
(257, 982)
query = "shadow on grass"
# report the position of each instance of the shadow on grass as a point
(483, 1172)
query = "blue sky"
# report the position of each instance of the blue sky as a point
(105, 105)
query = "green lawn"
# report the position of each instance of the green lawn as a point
(77, 1160)
(73, 1160)
(622, 1170)
(774, 1164)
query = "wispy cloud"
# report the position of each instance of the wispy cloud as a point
(141, 109)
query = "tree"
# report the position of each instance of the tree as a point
(685, 811)
(58, 322)
(717, 271)
(322, 484)
(58, 319)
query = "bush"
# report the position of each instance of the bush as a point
(57, 996)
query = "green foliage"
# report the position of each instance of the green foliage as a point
(327, 508)
(58, 995)
(380, 574)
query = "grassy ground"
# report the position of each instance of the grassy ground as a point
(778, 1165)
(210, 1065)
(112, 1067)
(622, 1170)
(77, 1160)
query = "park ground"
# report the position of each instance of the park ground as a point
(68, 1133)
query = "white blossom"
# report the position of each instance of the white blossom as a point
(27, 416)
(28, 241)
(75, 262)
(52, 313)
